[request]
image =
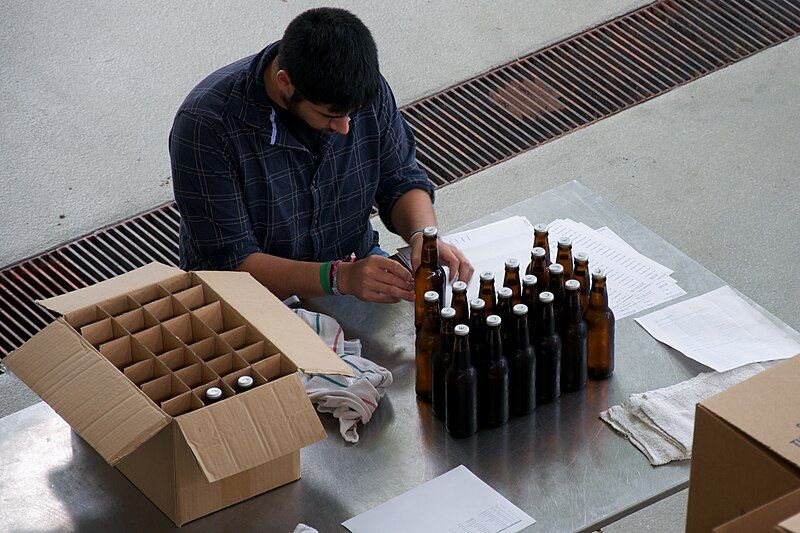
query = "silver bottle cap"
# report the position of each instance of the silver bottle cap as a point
(546, 297)
(581, 256)
(214, 393)
(572, 285)
(504, 292)
(487, 275)
(565, 241)
(520, 309)
(459, 286)
(529, 279)
(538, 252)
(462, 330)
(430, 231)
(599, 273)
(555, 268)
(493, 320)
(512, 262)
(447, 312)
(477, 303)
(244, 381)
(431, 296)
(540, 228)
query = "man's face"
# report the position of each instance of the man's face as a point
(318, 116)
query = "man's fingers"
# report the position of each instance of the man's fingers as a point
(379, 297)
(389, 278)
(395, 268)
(391, 290)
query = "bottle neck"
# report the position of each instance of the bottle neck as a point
(448, 325)
(431, 319)
(598, 298)
(548, 320)
(461, 359)
(572, 307)
(529, 295)
(523, 338)
(495, 343)
(477, 323)
(430, 252)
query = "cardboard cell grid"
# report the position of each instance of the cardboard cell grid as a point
(124, 352)
(103, 331)
(192, 298)
(210, 348)
(158, 339)
(231, 378)
(225, 364)
(85, 316)
(165, 308)
(179, 358)
(163, 388)
(136, 320)
(255, 352)
(271, 367)
(218, 317)
(119, 305)
(175, 284)
(181, 404)
(227, 391)
(148, 294)
(146, 370)
(196, 375)
(188, 328)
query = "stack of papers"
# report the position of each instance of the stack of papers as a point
(635, 282)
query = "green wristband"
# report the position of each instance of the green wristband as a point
(324, 277)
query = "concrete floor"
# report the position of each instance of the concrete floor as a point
(90, 88)
(712, 166)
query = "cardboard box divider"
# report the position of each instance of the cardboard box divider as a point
(165, 308)
(235, 338)
(188, 458)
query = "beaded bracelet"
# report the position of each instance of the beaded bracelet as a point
(335, 273)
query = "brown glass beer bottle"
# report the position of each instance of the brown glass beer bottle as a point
(541, 240)
(581, 273)
(477, 333)
(459, 302)
(493, 381)
(522, 366)
(564, 256)
(505, 310)
(600, 323)
(441, 359)
(429, 275)
(511, 279)
(487, 293)
(244, 383)
(573, 341)
(548, 354)
(556, 287)
(538, 268)
(213, 395)
(530, 297)
(427, 341)
(461, 387)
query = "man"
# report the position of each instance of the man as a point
(278, 158)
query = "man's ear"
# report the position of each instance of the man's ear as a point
(285, 83)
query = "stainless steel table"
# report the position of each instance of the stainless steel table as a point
(562, 465)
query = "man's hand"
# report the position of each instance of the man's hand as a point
(376, 279)
(448, 255)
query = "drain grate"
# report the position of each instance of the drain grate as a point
(466, 128)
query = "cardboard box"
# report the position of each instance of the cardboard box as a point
(766, 518)
(790, 525)
(746, 449)
(127, 364)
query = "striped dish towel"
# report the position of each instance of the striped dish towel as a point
(349, 399)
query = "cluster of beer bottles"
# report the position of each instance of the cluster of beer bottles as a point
(214, 394)
(501, 354)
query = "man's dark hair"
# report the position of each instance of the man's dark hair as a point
(331, 59)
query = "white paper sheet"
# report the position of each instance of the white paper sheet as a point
(455, 502)
(720, 330)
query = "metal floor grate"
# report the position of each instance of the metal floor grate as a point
(466, 128)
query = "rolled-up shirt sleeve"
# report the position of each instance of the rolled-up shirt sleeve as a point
(209, 196)
(399, 171)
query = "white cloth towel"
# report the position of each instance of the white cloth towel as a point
(349, 399)
(302, 528)
(660, 423)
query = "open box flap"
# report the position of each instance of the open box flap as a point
(252, 428)
(766, 407)
(87, 391)
(277, 322)
(110, 288)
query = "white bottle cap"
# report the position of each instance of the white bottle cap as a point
(431, 296)
(459, 286)
(244, 381)
(447, 312)
(512, 262)
(214, 393)
(555, 268)
(538, 252)
(462, 330)
(540, 228)
(520, 309)
(546, 297)
(487, 275)
(477, 303)
(493, 320)
(599, 273)
(565, 241)
(581, 256)
(529, 279)
(572, 285)
(504, 292)
(430, 231)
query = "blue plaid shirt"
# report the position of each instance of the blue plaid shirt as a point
(244, 184)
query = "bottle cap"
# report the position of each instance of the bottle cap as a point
(430, 231)
(431, 296)
(565, 241)
(581, 256)
(572, 285)
(459, 286)
(244, 381)
(447, 312)
(493, 320)
(504, 292)
(520, 309)
(477, 303)
(538, 252)
(599, 273)
(512, 262)
(487, 275)
(540, 228)
(555, 268)
(214, 393)
(529, 279)
(546, 297)
(461, 330)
